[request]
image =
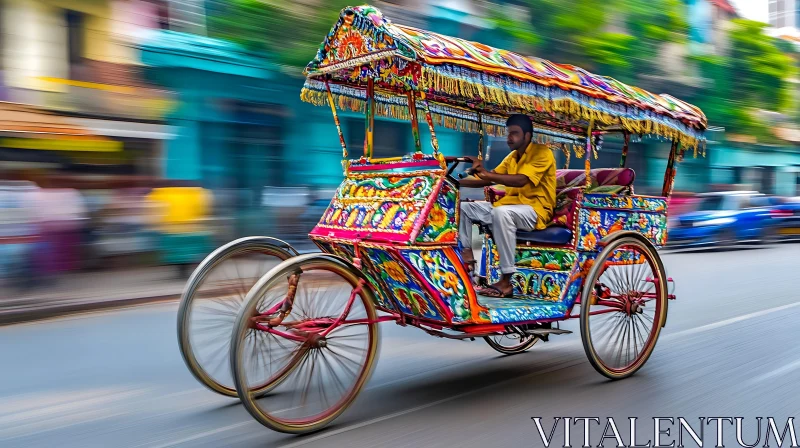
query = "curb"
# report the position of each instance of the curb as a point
(58, 310)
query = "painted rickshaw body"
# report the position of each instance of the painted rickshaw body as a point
(390, 231)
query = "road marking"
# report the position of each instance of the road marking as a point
(779, 371)
(334, 432)
(689, 331)
(204, 434)
(733, 320)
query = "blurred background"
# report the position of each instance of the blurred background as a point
(141, 134)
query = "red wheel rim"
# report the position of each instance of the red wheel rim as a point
(625, 310)
(328, 366)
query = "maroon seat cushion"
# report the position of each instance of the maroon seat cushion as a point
(600, 177)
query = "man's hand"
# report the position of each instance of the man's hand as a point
(477, 170)
(477, 167)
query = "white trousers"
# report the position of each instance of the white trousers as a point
(504, 221)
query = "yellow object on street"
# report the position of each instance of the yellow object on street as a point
(181, 205)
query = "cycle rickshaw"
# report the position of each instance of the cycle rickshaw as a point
(295, 336)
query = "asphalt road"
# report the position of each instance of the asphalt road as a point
(116, 379)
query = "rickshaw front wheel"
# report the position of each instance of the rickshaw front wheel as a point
(312, 323)
(623, 306)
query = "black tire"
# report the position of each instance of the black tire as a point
(506, 344)
(214, 373)
(632, 298)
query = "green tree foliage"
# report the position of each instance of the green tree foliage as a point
(754, 76)
(759, 69)
(614, 38)
(286, 33)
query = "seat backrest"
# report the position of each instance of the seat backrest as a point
(600, 177)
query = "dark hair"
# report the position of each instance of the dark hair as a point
(522, 121)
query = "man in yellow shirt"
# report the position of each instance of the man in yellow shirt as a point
(529, 175)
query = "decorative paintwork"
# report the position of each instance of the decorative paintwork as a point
(438, 268)
(635, 203)
(520, 310)
(596, 224)
(541, 272)
(412, 188)
(387, 216)
(549, 259)
(390, 202)
(539, 284)
(491, 260)
(442, 223)
(402, 284)
(363, 46)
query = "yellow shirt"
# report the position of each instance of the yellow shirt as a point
(539, 165)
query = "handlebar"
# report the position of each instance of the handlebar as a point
(455, 161)
(466, 173)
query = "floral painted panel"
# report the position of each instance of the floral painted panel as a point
(544, 285)
(596, 224)
(441, 274)
(408, 188)
(401, 283)
(638, 203)
(441, 224)
(378, 216)
(554, 260)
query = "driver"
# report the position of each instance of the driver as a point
(529, 175)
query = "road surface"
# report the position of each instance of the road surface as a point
(116, 379)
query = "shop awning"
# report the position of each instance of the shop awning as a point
(28, 127)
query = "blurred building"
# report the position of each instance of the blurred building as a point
(784, 13)
(74, 59)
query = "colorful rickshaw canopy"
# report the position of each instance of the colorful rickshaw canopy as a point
(462, 80)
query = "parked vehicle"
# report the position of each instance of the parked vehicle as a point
(726, 218)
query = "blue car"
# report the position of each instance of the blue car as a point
(787, 219)
(725, 218)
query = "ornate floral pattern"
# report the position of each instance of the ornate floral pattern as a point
(379, 216)
(459, 72)
(401, 283)
(637, 203)
(384, 201)
(442, 219)
(549, 259)
(441, 275)
(543, 285)
(416, 188)
(596, 224)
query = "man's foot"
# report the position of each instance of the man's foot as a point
(504, 288)
(497, 290)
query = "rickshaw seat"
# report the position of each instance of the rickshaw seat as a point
(551, 235)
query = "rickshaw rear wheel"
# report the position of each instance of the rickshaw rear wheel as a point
(623, 306)
(211, 301)
(511, 344)
(318, 312)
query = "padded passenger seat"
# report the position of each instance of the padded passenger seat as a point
(551, 235)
